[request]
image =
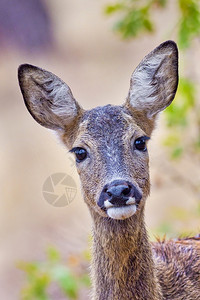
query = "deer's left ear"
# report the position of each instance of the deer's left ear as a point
(154, 82)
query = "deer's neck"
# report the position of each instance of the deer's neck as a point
(122, 266)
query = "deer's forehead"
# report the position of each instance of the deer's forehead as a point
(109, 126)
(107, 121)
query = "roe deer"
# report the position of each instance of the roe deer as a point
(110, 145)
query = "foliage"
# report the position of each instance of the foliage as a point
(41, 276)
(189, 25)
(136, 17)
(133, 21)
(178, 114)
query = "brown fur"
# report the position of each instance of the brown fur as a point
(178, 268)
(125, 264)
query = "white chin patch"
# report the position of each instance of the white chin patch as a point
(121, 213)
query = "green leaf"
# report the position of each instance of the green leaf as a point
(29, 268)
(197, 143)
(189, 22)
(85, 280)
(66, 280)
(134, 22)
(110, 9)
(177, 152)
(177, 113)
(53, 255)
(172, 140)
(37, 285)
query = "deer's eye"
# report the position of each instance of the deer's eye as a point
(80, 153)
(140, 143)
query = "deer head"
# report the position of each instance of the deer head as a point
(109, 142)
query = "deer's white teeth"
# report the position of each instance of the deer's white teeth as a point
(131, 200)
(108, 204)
(122, 212)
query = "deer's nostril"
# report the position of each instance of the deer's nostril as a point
(126, 191)
(119, 191)
(109, 194)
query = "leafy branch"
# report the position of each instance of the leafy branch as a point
(65, 278)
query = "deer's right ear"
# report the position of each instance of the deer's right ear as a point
(47, 97)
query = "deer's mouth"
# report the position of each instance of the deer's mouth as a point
(121, 212)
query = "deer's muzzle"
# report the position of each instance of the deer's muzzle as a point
(119, 199)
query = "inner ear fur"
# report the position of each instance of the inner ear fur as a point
(47, 97)
(154, 82)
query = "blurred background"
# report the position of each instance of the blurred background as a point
(94, 46)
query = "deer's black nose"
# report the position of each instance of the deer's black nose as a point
(118, 193)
